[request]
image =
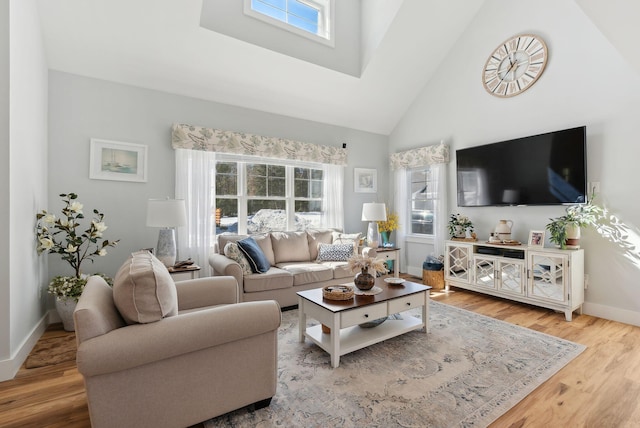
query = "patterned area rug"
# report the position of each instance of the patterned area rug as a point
(467, 372)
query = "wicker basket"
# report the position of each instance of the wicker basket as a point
(338, 292)
(434, 278)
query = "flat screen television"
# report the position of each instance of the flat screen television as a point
(545, 169)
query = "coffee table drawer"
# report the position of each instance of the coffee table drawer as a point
(362, 315)
(405, 303)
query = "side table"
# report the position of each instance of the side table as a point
(182, 274)
(390, 253)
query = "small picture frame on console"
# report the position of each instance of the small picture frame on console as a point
(536, 238)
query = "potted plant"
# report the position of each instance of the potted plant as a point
(365, 280)
(458, 225)
(62, 236)
(565, 230)
(386, 227)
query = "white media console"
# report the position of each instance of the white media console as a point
(546, 277)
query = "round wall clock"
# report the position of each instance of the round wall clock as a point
(515, 65)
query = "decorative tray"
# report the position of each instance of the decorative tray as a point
(337, 292)
(505, 243)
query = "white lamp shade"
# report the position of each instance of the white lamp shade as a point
(374, 212)
(166, 213)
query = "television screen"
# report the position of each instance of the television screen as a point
(545, 169)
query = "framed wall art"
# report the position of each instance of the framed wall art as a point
(114, 160)
(365, 180)
(536, 238)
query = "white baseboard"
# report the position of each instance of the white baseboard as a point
(611, 313)
(9, 367)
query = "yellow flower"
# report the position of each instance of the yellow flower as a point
(392, 223)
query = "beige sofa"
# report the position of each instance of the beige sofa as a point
(296, 263)
(156, 362)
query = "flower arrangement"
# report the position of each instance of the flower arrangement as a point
(61, 236)
(363, 263)
(70, 287)
(392, 223)
(459, 223)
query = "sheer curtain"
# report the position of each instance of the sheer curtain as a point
(401, 202)
(439, 179)
(195, 183)
(333, 192)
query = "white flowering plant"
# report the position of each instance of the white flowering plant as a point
(70, 287)
(459, 222)
(63, 235)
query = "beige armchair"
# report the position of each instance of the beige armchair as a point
(214, 356)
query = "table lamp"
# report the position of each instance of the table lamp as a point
(167, 214)
(373, 213)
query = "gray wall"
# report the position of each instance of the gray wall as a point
(83, 108)
(586, 82)
(23, 120)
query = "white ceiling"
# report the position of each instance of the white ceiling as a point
(159, 44)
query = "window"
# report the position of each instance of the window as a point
(304, 17)
(423, 196)
(261, 197)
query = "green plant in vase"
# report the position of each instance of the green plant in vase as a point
(565, 230)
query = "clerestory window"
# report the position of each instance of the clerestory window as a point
(308, 18)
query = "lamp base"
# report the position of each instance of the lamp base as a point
(373, 235)
(166, 249)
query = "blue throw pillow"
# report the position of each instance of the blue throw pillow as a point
(252, 251)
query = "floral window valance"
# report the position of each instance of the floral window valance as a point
(429, 155)
(216, 140)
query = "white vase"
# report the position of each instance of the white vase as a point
(573, 236)
(459, 232)
(65, 308)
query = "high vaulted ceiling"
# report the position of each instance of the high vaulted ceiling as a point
(159, 44)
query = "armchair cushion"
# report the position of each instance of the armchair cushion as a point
(143, 290)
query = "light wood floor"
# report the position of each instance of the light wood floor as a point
(600, 388)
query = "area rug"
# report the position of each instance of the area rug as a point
(467, 372)
(52, 350)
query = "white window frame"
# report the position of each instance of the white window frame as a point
(243, 198)
(326, 32)
(410, 210)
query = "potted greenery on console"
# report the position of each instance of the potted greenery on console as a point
(61, 236)
(565, 230)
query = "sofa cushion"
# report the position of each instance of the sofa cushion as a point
(307, 273)
(143, 290)
(340, 269)
(273, 279)
(290, 247)
(232, 251)
(224, 238)
(334, 252)
(315, 237)
(254, 254)
(264, 241)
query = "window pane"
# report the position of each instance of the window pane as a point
(226, 178)
(226, 215)
(303, 24)
(422, 205)
(301, 189)
(262, 7)
(308, 214)
(266, 216)
(277, 187)
(316, 189)
(317, 174)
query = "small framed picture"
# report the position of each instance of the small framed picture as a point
(536, 238)
(114, 160)
(365, 180)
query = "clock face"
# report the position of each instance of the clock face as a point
(515, 65)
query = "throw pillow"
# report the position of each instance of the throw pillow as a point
(334, 252)
(252, 251)
(232, 251)
(347, 238)
(290, 247)
(143, 290)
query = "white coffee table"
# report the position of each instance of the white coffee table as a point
(344, 316)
